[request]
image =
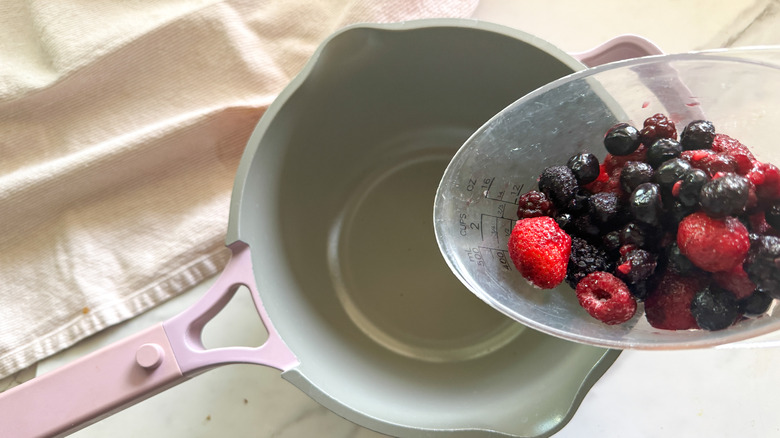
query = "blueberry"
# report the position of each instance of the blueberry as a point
(670, 171)
(724, 196)
(772, 215)
(622, 139)
(677, 262)
(636, 266)
(579, 202)
(714, 308)
(564, 220)
(761, 264)
(757, 303)
(690, 186)
(635, 173)
(585, 167)
(559, 184)
(633, 234)
(699, 134)
(662, 150)
(645, 204)
(611, 241)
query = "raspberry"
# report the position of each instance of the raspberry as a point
(766, 178)
(606, 298)
(742, 156)
(558, 184)
(533, 204)
(713, 244)
(584, 259)
(540, 251)
(621, 139)
(668, 305)
(714, 308)
(585, 167)
(698, 134)
(656, 127)
(735, 281)
(725, 196)
(710, 162)
(763, 263)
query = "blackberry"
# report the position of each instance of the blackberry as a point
(698, 134)
(669, 172)
(584, 259)
(633, 234)
(762, 263)
(656, 127)
(662, 150)
(690, 186)
(677, 262)
(559, 184)
(604, 208)
(585, 167)
(534, 204)
(635, 173)
(636, 266)
(755, 304)
(714, 308)
(724, 196)
(621, 139)
(772, 215)
(584, 227)
(645, 204)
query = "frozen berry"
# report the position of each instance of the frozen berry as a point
(710, 162)
(645, 204)
(724, 196)
(669, 172)
(755, 304)
(606, 298)
(533, 204)
(604, 208)
(676, 262)
(662, 150)
(540, 251)
(657, 127)
(742, 156)
(579, 202)
(766, 178)
(621, 139)
(668, 305)
(763, 263)
(690, 185)
(635, 266)
(735, 281)
(585, 167)
(611, 241)
(584, 259)
(697, 135)
(558, 184)
(714, 308)
(635, 173)
(633, 234)
(584, 226)
(713, 244)
(772, 215)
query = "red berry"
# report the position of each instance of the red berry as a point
(668, 306)
(533, 204)
(614, 163)
(735, 281)
(540, 251)
(713, 244)
(766, 178)
(732, 147)
(710, 162)
(656, 127)
(606, 298)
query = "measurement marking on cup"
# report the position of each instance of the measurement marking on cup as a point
(477, 255)
(497, 226)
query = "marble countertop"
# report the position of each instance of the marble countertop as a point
(714, 393)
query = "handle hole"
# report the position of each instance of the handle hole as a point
(236, 325)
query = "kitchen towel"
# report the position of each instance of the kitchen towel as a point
(121, 128)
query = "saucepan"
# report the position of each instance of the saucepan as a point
(331, 231)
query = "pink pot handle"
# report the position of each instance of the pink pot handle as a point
(617, 49)
(126, 372)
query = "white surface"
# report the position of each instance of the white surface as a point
(707, 393)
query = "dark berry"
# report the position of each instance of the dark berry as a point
(697, 135)
(621, 139)
(690, 186)
(611, 241)
(583, 260)
(762, 263)
(657, 127)
(579, 202)
(606, 298)
(677, 212)
(635, 234)
(564, 220)
(669, 172)
(645, 204)
(559, 184)
(677, 262)
(662, 150)
(635, 173)
(772, 215)
(636, 266)
(714, 308)
(755, 304)
(533, 204)
(724, 196)
(604, 208)
(584, 226)
(585, 167)
(640, 290)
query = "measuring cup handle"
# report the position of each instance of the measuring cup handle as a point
(91, 388)
(617, 49)
(185, 330)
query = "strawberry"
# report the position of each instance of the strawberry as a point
(540, 250)
(713, 244)
(668, 305)
(743, 158)
(735, 281)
